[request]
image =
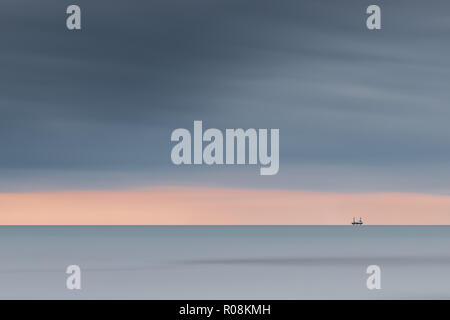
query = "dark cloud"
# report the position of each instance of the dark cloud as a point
(107, 97)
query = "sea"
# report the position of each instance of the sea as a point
(225, 262)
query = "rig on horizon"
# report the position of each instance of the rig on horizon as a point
(357, 223)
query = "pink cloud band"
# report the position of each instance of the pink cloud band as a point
(217, 206)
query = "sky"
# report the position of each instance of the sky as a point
(221, 206)
(360, 112)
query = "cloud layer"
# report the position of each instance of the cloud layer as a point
(104, 101)
(219, 206)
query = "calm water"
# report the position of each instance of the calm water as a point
(272, 262)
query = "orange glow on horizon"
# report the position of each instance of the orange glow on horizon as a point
(220, 206)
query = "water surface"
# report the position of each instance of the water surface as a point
(225, 262)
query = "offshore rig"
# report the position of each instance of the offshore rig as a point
(357, 223)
